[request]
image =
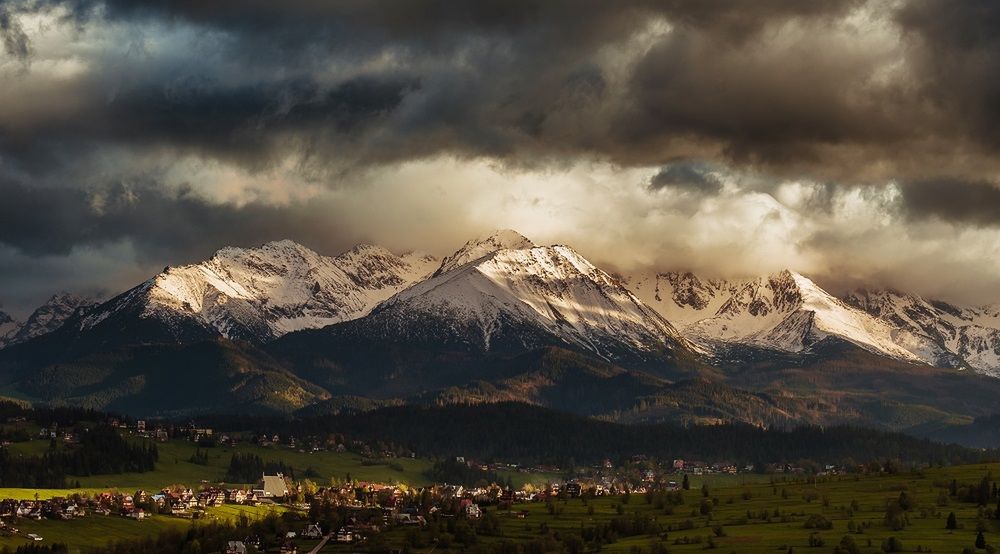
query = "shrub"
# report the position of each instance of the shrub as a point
(817, 521)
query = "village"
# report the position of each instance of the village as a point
(368, 506)
(373, 506)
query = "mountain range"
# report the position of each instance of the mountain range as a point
(281, 328)
(46, 318)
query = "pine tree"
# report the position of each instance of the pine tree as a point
(980, 540)
(952, 522)
(686, 485)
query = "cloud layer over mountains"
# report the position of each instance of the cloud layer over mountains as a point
(856, 140)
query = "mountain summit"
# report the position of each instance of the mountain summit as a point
(504, 239)
(503, 294)
(529, 291)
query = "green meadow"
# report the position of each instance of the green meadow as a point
(741, 513)
(174, 467)
(742, 517)
(98, 530)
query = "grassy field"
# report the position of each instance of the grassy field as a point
(91, 531)
(97, 530)
(737, 516)
(174, 468)
(749, 513)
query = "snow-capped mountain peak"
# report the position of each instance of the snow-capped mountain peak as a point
(525, 297)
(504, 239)
(261, 293)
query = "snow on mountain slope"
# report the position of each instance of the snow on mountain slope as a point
(785, 311)
(501, 292)
(46, 318)
(261, 293)
(8, 328)
(505, 239)
(970, 333)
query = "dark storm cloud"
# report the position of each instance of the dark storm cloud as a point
(430, 18)
(508, 79)
(177, 226)
(686, 176)
(15, 40)
(247, 124)
(966, 202)
(959, 61)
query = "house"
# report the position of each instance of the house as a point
(344, 535)
(254, 541)
(212, 496)
(178, 508)
(236, 547)
(409, 519)
(274, 486)
(313, 531)
(199, 434)
(573, 489)
(472, 511)
(137, 514)
(289, 548)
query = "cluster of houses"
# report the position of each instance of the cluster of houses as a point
(178, 502)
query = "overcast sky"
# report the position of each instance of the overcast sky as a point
(854, 141)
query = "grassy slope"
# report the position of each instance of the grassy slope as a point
(756, 536)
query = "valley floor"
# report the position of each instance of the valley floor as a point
(744, 513)
(735, 523)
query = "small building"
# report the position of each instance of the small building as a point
(274, 486)
(313, 531)
(573, 490)
(236, 547)
(344, 536)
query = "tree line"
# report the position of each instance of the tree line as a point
(525, 433)
(248, 468)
